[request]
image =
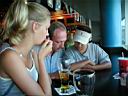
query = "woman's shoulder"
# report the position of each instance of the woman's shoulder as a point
(7, 53)
(3, 46)
(94, 45)
(7, 49)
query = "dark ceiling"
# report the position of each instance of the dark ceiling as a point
(87, 8)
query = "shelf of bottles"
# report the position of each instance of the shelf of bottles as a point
(65, 14)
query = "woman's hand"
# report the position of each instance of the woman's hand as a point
(89, 65)
(46, 48)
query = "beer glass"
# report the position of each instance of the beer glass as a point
(84, 81)
(63, 68)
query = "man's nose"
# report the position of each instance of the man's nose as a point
(79, 45)
(62, 44)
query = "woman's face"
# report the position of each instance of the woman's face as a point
(42, 31)
(80, 47)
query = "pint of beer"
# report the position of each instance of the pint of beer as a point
(64, 77)
(63, 69)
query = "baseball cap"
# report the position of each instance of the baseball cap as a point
(82, 36)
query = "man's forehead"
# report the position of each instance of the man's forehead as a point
(60, 33)
(59, 29)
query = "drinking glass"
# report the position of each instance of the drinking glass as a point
(123, 70)
(84, 81)
(63, 68)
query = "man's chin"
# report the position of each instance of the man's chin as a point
(58, 49)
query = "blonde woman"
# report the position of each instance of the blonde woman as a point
(26, 25)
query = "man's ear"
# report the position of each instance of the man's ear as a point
(35, 26)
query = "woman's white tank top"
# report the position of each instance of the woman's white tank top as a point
(6, 82)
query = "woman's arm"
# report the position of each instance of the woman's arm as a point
(97, 67)
(43, 75)
(101, 66)
(44, 80)
(80, 64)
(35, 57)
(16, 70)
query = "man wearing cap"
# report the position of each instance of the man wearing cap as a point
(87, 55)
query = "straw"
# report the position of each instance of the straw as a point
(122, 54)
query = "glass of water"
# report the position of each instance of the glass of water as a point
(84, 81)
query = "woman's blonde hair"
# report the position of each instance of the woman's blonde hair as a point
(18, 16)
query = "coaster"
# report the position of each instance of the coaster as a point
(69, 91)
